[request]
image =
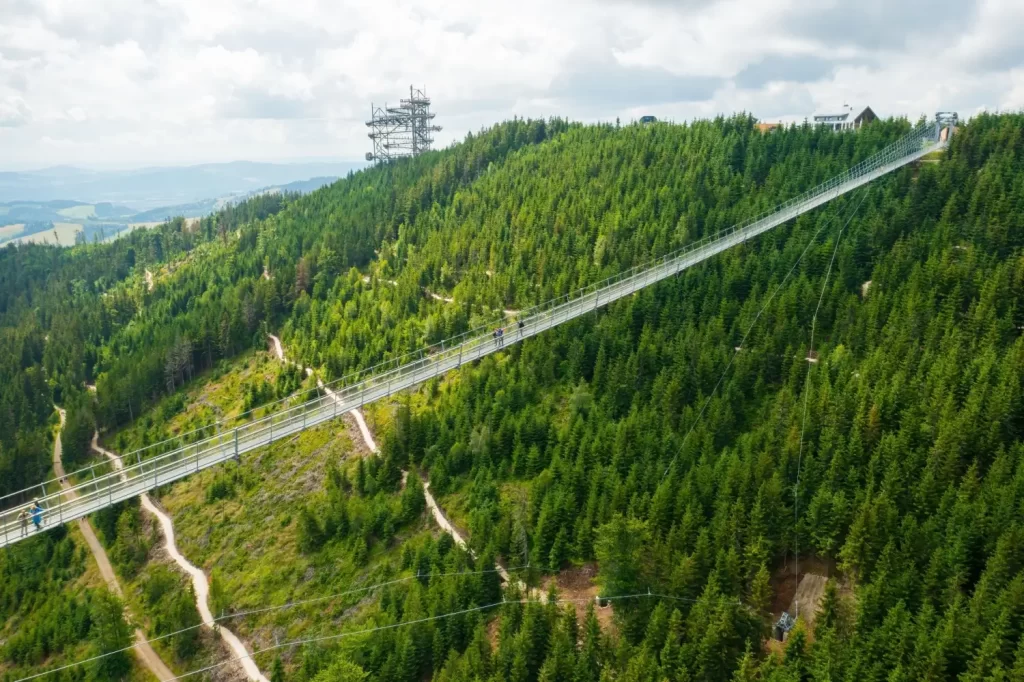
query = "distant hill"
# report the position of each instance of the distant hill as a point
(59, 211)
(204, 207)
(148, 188)
(36, 220)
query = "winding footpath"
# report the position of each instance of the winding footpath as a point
(371, 445)
(143, 651)
(509, 312)
(199, 581)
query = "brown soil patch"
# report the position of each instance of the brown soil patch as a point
(807, 600)
(232, 672)
(808, 588)
(784, 587)
(576, 586)
(494, 632)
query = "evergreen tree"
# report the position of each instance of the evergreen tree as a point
(111, 632)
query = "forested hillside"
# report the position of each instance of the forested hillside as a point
(612, 439)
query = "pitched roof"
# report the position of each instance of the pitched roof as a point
(845, 114)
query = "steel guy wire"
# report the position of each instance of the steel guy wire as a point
(417, 621)
(750, 328)
(888, 154)
(803, 417)
(287, 605)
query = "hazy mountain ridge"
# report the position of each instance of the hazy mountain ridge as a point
(32, 219)
(148, 188)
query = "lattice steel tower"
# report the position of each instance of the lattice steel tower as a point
(400, 131)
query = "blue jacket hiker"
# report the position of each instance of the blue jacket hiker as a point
(37, 513)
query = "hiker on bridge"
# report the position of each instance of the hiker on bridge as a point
(23, 517)
(501, 337)
(37, 513)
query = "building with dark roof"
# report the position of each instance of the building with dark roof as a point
(846, 118)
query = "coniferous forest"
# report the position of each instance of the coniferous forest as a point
(680, 440)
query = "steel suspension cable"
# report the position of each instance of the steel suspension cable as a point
(427, 619)
(179, 456)
(811, 361)
(286, 605)
(750, 328)
(887, 154)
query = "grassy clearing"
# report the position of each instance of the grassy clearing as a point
(219, 395)
(8, 232)
(238, 522)
(80, 212)
(249, 536)
(65, 235)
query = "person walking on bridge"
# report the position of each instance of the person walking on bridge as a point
(23, 517)
(37, 513)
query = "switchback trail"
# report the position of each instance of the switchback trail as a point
(356, 413)
(199, 581)
(142, 650)
(435, 509)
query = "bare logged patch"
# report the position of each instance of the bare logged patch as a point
(807, 600)
(232, 672)
(577, 584)
(494, 633)
(784, 586)
(805, 589)
(604, 618)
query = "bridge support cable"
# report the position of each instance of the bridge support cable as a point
(266, 609)
(811, 361)
(441, 616)
(179, 457)
(753, 323)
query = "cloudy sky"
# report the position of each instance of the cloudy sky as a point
(130, 82)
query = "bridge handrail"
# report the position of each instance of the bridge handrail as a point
(353, 388)
(384, 368)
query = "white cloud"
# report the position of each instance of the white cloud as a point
(177, 81)
(13, 112)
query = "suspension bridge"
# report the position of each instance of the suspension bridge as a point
(174, 459)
